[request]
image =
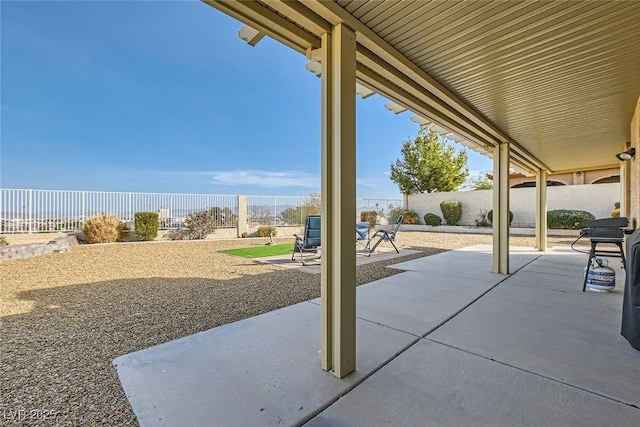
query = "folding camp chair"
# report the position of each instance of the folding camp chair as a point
(311, 241)
(362, 234)
(387, 236)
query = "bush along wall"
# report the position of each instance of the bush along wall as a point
(102, 228)
(490, 216)
(567, 219)
(146, 225)
(266, 231)
(451, 211)
(432, 219)
(369, 216)
(615, 213)
(409, 216)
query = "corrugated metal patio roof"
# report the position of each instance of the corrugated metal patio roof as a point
(557, 79)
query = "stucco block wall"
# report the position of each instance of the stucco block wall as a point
(599, 199)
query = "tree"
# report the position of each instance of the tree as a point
(429, 164)
(310, 205)
(291, 215)
(259, 214)
(223, 217)
(481, 182)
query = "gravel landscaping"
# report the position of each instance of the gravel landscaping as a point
(65, 317)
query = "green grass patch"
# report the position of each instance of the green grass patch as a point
(261, 251)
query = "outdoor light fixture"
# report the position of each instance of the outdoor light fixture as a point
(627, 155)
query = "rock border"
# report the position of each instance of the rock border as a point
(28, 250)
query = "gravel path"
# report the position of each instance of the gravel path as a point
(65, 317)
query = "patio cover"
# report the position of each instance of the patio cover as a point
(548, 86)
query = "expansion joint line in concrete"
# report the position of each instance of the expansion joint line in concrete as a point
(536, 374)
(444, 322)
(395, 356)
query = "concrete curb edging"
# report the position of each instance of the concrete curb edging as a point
(484, 230)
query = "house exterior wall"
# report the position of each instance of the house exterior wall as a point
(597, 199)
(633, 192)
(575, 178)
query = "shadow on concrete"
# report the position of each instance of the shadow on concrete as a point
(58, 357)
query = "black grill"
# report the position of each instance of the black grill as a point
(608, 230)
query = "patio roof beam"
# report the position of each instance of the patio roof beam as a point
(386, 70)
(265, 20)
(302, 15)
(334, 13)
(418, 106)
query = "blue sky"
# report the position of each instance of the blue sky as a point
(129, 96)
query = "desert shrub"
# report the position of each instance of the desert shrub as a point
(224, 217)
(123, 229)
(3, 241)
(266, 231)
(102, 229)
(393, 213)
(179, 234)
(197, 226)
(146, 225)
(409, 216)
(451, 211)
(432, 219)
(567, 219)
(490, 216)
(244, 235)
(615, 213)
(200, 224)
(369, 216)
(482, 222)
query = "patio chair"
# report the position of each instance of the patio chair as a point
(387, 236)
(362, 234)
(310, 242)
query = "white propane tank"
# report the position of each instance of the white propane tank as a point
(600, 276)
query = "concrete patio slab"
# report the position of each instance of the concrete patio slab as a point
(260, 371)
(572, 337)
(415, 302)
(558, 282)
(435, 385)
(523, 349)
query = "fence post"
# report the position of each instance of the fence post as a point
(242, 215)
(84, 209)
(130, 208)
(30, 211)
(2, 205)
